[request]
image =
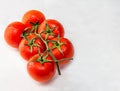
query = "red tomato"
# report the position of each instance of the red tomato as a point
(25, 50)
(52, 27)
(33, 16)
(63, 48)
(13, 33)
(41, 72)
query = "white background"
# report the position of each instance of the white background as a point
(93, 26)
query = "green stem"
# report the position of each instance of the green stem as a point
(65, 59)
(43, 40)
(36, 28)
(58, 68)
(56, 61)
(39, 35)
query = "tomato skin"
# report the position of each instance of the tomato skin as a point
(12, 34)
(67, 50)
(59, 30)
(33, 16)
(25, 50)
(41, 72)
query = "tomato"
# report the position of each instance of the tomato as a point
(41, 72)
(62, 48)
(12, 34)
(52, 29)
(33, 16)
(29, 48)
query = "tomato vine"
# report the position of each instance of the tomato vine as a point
(48, 50)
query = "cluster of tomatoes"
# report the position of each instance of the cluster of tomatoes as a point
(41, 43)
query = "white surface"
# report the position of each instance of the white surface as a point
(94, 28)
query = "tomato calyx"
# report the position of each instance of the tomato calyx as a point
(34, 27)
(29, 30)
(24, 34)
(49, 31)
(31, 43)
(42, 59)
(57, 44)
